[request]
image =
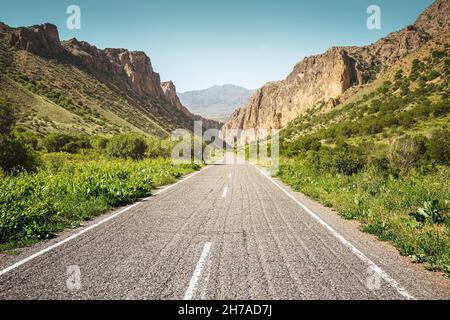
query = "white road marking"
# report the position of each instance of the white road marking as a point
(345, 242)
(225, 190)
(197, 272)
(76, 235)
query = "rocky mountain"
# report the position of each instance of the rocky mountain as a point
(170, 92)
(217, 102)
(322, 80)
(74, 86)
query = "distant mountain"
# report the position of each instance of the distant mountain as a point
(217, 102)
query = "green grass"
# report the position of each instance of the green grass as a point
(354, 158)
(69, 189)
(384, 205)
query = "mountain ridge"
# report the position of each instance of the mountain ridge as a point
(217, 102)
(102, 91)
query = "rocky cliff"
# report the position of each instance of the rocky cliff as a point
(324, 78)
(170, 91)
(129, 74)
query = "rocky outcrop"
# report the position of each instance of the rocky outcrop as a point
(129, 70)
(170, 92)
(324, 78)
(42, 40)
(318, 78)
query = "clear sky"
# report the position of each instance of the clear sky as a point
(200, 43)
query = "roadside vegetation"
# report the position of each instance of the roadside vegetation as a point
(383, 159)
(49, 183)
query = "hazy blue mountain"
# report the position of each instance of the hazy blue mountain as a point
(217, 102)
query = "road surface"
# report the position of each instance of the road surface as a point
(226, 232)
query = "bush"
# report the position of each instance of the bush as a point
(7, 118)
(127, 146)
(60, 142)
(347, 162)
(439, 147)
(55, 142)
(403, 153)
(16, 156)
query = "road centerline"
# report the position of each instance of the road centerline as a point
(225, 191)
(192, 288)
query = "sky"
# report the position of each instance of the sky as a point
(201, 43)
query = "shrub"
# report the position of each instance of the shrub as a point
(127, 146)
(55, 142)
(7, 118)
(403, 153)
(60, 142)
(439, 147)
(16, 156)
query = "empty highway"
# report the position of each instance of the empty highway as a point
(226, 232)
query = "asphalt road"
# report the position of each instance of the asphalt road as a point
(227, 232)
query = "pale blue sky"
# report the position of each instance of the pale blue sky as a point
(199, 43)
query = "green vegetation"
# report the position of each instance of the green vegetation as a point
(69, 189)
(57, 181)
(383, 159)
(14, 153)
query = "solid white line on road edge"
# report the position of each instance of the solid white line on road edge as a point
(225, 190)
(54, 246)
(345, 242)
(197, 273)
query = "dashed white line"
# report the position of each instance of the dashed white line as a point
(225, 190)
(197, 272)
(76, 235)
(345, 242)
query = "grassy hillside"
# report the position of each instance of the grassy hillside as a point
(54, 96)
(383, 155)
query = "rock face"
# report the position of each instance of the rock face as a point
(324, 78)
(130, 70)
(170, 92)
(318, 78)
(41, 40)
